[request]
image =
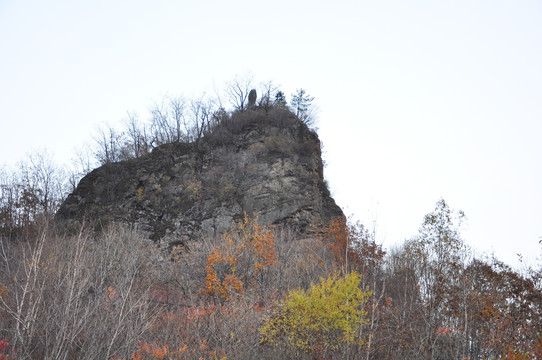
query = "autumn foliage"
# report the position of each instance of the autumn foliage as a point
(4, 344)
(155, 350)
(353, 246)
(256, 292)
(321, 319)
(265, 293)
(243, 257)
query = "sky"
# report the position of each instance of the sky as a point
(418, 100)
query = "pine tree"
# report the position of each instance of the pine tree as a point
(301, 106)
(280, 99)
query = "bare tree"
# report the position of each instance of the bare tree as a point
(177, 107)
(267, 91)
(74, 298)
(163, 130)
(168, 120)
(8, 202)
(137, 139)
(238, 90)
(21, 277)
(110, 144)
(200, 115)
(45, 180)
(81, 165)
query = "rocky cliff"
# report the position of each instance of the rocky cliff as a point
(263, 164)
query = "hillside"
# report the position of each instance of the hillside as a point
(251, 259)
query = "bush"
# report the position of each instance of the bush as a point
(241, 259)
(79, 297)
(322, 319)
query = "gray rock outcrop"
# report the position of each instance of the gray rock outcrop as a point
(267, 165)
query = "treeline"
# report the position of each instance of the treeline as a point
(31, 193)
(260, 292)
(433, 299)
(178, 119)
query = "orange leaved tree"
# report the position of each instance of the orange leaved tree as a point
(241, 259)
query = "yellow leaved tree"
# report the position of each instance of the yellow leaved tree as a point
(321, 319)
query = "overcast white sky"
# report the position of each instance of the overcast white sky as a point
(418, 99)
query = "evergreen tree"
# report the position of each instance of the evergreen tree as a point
(301, 106)
(280, 99)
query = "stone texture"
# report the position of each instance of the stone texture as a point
(269, 165)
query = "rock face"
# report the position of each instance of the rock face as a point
(263, 164)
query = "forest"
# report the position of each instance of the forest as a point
(256, 292)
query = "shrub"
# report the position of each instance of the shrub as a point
(244, 256)
(321, 319)
(3, 346)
